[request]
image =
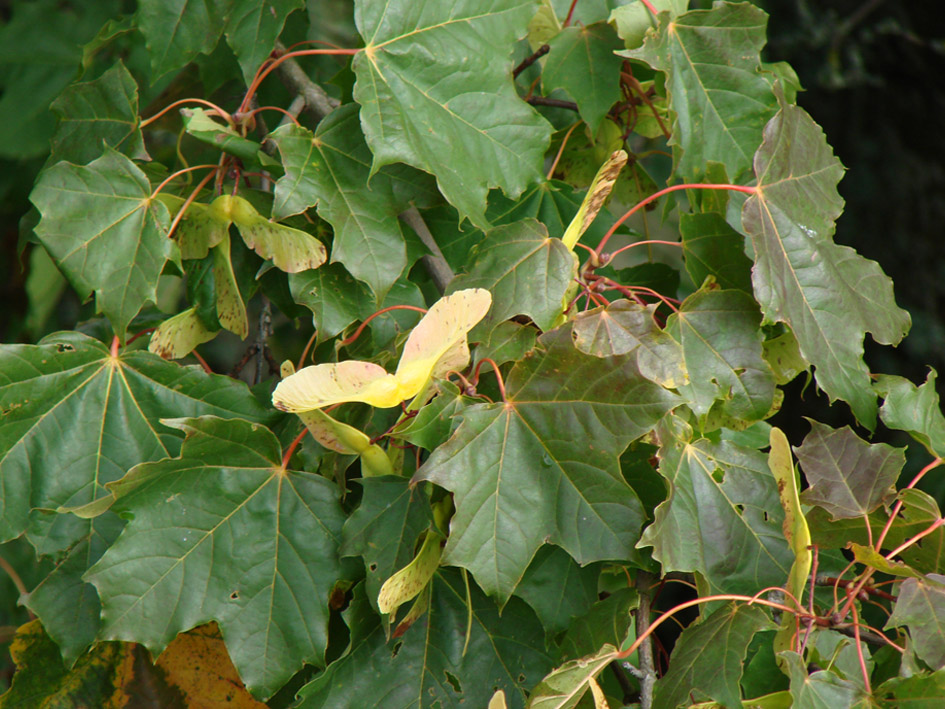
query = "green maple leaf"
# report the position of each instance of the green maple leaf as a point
(533, 484)
(564, 686)
(335, 298)
(829, 295)
(93, 112)
(105, 232)
(623, 327)
(557, 588)
(708, 657)
(583, 63)
(431, 663)
(720, 98)
(252, 29)
(331, 168)
(269, 592)
(916, 410)
(848, 477)
(921, 607)
(722, 518)
(44, 390)
(435, 87)
(176, 31)
(527, 272)
(713, 248)
(608, 621)
(384, 529)
(721, 344)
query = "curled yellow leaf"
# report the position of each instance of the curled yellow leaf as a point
(436, 345)
(333, 383)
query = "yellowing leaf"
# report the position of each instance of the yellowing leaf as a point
(597, 194)
(289, 249)
(200, 228)
(795, 527)
(498, 700)
(332, 383)
(176, 337)
(436, 345)
(196, 663)
(413, 578)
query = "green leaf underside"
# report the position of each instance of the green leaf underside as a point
(720, 99)
(105, 232)
(564, 687)
(527, 272)
(722, 518)
(443, 72)
(227, 490)
(921, 607)
(384, 528)
(721, 343)
(427, 665)
(916, 410)
(821, 689)
(708, 657)
(848, 477)
(535, 486)
(582, 62)
(93, 112)
(829, 295)
(331, 168)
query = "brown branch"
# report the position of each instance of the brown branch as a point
(623, 681)
(531, 59)
(645, 581)
(316, 100)
(435, 262)
(553, 102)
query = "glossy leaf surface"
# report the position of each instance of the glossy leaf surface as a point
(828, 294)
(722, 517)
(443, 72)
(535, 486)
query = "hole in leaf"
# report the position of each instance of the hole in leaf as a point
(739, 370)
(372, 567)
(766, 516)
(718, 475)
(395, 649)
(521, 678)
(454, 682)
(235, 596)
(64, 348)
